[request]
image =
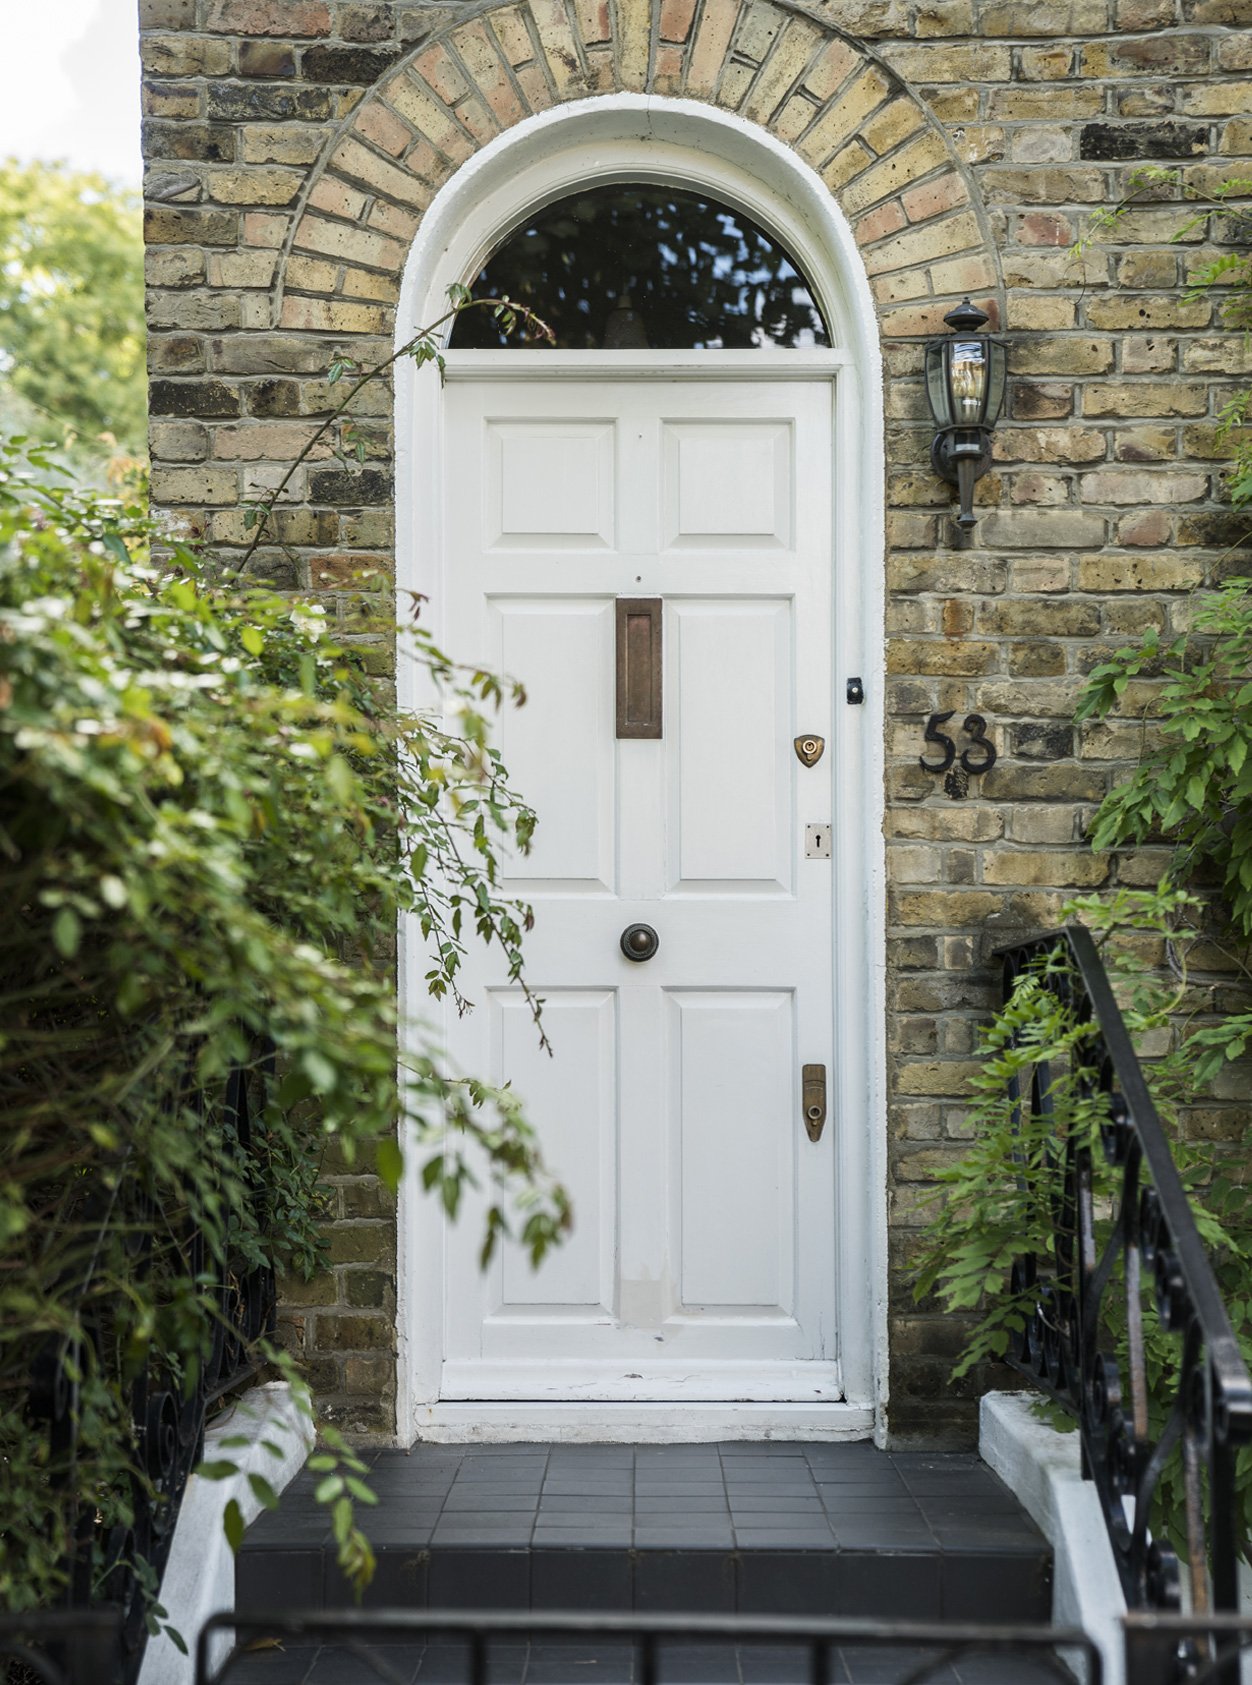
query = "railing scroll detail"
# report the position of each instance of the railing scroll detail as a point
(1144, 1236)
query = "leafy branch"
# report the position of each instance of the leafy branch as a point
(423, 348)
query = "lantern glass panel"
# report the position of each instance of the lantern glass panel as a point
(996, 381)
(937, 382)
(967, 381)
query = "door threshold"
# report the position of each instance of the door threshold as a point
(495, 1423)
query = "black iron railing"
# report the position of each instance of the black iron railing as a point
(476, 1647)
(77, 1648)
(117, 1566)
(1161, 1648)
(1140, 1235)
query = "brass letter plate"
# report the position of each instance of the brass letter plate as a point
(813, 1098)
(639, 667)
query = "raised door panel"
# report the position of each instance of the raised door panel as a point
(732, 1078)
(572, 1096)
(559, 747)
(549, 485)
(727, 746)
(727, 484)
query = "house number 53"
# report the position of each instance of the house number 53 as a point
(975, 729)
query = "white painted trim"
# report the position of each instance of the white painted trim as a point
(199, 1577)
(1043, 1470)
(640, 1424)
(531, 365)
(641, 137)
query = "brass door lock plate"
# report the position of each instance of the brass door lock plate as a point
(813, 1099)
(810, 749)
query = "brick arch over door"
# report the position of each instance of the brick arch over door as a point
(921, 234)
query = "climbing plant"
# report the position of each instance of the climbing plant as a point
(211, 818)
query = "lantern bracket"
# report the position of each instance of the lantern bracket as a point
(965, 414)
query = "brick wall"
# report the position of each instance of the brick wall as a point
(292, 148)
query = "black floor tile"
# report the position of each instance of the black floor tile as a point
(887, 1585)
(1034, 1669)
(679, 1581)
(280, 1663)
(870, 1664)
(566, 1664)
(400, 1581)
(976, 1582)
(787, 1583)
(577, 1579)
(279, 1579)
(386, 1664)
(698, 1664)
(447, 1662)
(479, 1579)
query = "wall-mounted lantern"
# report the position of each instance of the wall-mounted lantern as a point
(965, 387)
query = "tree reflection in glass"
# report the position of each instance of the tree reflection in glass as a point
(632, 266)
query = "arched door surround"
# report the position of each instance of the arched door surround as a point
(625, 139)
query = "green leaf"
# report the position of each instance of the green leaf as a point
(67, 932)
(390, 1161)
(218, 1469)
(253, 639)
(263, 1491)
(233, 1525)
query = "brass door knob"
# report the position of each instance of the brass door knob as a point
(639, 941)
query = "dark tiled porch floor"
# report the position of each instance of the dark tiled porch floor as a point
(812, 1529)
(547, 1663)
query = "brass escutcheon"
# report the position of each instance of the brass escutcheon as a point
(810, 749)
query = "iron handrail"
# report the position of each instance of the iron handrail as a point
(649, 1634)
(1063, 1345)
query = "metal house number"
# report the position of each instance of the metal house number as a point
(975, 729)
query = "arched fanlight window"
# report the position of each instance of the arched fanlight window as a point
(634, 266)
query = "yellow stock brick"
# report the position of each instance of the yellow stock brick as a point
(919, 245)
(634, 42)
(899, 170)
(560, 50)
(709, 49)
(486, 71)
(891, 125)
(360, 164)
(419, 108)
(335, 239)
(845, 116)
(333, 316)
(783, 68)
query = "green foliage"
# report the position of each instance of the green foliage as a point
(210, 821)
(1002, 1201)
(1193, 784)
(71, 304)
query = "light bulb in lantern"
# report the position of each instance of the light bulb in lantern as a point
(967, 379)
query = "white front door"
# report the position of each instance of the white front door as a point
(703, 1258)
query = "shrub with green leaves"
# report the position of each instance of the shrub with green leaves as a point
(1193, 784)
(999, 1202)
(210, 820)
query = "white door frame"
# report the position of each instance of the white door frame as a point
(636, 137)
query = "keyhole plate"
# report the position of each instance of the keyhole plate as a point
(810, 749)
(817, 842)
